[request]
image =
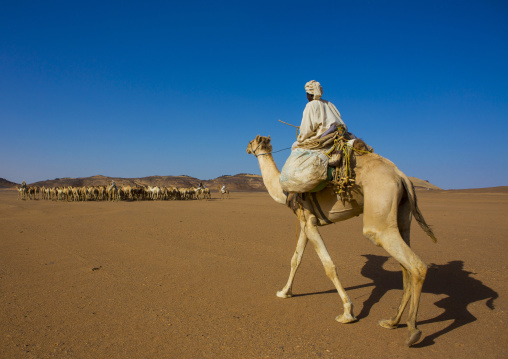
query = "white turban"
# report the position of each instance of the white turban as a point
(314, 88)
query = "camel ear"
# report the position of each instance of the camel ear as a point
(257, 138)
(269, 138)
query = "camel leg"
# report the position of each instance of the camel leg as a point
(384, 226)
(331, 271)
(286, 292)
(416, 270)
(393, 323)
(404, 224)
(417, 280)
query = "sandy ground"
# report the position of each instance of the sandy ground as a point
(197, 279)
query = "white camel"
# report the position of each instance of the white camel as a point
(224, 193)
(199, 193)
(387, 200)
(22, 193)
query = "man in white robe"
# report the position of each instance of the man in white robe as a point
(319, 115)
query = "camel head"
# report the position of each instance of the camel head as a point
(259, 146)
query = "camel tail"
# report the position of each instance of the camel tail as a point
(410, 190)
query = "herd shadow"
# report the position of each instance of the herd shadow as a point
(449, 279)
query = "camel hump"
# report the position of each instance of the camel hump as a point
(361, 147)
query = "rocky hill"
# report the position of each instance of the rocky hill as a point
(7, 184)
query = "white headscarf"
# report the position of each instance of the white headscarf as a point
(314, 88)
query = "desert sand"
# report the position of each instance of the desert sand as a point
(197, 279)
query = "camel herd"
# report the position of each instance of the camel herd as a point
(109, 193)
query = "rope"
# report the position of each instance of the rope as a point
(360, 151)
(284, 149)
(347, 157)
(344, 178)
(268, 153)
(336, 142)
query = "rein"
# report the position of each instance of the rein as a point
(264, 154)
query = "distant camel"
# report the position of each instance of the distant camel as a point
(199, 192)
(61, 193)
(45, 192)
(22, 193)
(206, 193)
(387, 200)
(224, 193)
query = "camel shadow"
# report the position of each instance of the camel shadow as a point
(449, 279)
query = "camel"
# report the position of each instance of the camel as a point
(206, 193)
(224, 193)
(199, 193)
(84, 193)
(113, 193)
(34, 192)
(175, 193)
(75, 193)
(22, 193)
(54, 194)
(187, 193)
(127, 192)
(44, 192)
(60, 194)
(387, 200)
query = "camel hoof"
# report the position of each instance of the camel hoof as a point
(414, 337)
(284, 295)
(345, 318)
(387, 323)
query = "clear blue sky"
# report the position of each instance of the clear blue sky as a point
(133, 89)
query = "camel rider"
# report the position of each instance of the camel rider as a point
(113, 185)
(223, 189)
(320, 117)
(200, 185)
(23, 184)
(307, 165)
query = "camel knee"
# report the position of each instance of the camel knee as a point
(421, 271)
(295, 260)
(330, 270)
(372, 235)
(418, 271)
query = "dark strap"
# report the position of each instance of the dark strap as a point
(318, 207)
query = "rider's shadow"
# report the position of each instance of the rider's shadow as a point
(450, 279)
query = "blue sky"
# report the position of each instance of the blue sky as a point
(133, 89)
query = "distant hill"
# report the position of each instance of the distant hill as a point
(7, 184)
(421, 184)
(242, 182)
(500, 190)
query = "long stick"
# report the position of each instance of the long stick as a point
(297, 127)
(289, 124)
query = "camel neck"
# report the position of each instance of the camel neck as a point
(271, 175)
